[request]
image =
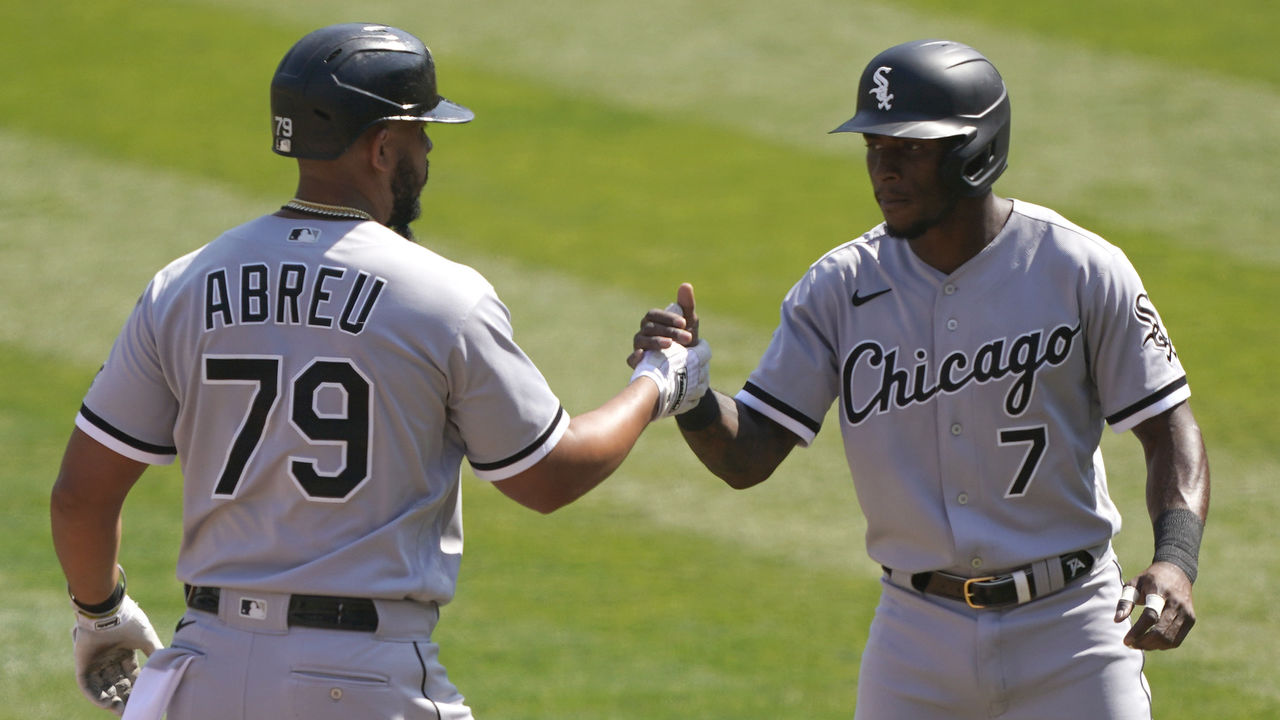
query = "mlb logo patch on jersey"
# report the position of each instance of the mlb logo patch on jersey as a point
(305, 235)
(253, 608)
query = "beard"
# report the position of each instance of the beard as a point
(924, 224)
(911, 232)
(406, 205)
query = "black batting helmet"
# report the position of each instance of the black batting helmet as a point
(933, 89)
(339, 80)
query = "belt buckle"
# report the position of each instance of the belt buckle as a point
(968, 593)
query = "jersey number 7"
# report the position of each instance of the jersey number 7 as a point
(1037, 439)
(349, 429)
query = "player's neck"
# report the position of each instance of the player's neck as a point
(331, 185)
(960, 236)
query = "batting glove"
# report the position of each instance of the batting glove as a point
(105, 646)
(681, 373)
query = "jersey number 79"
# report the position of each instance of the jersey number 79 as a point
(350, 429)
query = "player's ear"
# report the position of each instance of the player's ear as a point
(376, 148)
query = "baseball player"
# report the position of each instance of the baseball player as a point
(321, 378)
(975, 347)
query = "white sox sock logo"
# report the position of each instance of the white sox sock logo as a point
(884, 99)
(1022, 357)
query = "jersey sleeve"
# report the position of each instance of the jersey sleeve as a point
(507, 414)
(1135, 366)
(797, 380)
(130, 407)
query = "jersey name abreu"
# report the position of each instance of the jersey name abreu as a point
(1022, 356)
(290, 293)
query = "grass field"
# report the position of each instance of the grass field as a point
(621, 148)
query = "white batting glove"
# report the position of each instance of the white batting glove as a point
(105, 647)
(681, 373)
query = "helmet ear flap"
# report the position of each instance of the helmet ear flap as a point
(967, 170)
(973, 169)
(964, 167)
(977, 169)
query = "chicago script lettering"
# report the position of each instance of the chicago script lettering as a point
(1021, 357)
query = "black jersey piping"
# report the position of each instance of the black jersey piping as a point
(124, 437)
(785, 409)
(1148, 401)
(526, 452)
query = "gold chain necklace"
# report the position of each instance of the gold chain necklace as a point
(329, 211)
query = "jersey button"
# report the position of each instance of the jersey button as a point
(976, 563)
(963, 498)
(949, 289)
(952, 324)
(956, 429)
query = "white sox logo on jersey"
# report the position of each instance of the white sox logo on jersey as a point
(1022, 357)
(884, 99)
(1145, 311)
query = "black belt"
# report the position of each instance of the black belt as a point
(997, 591)
(314, 611)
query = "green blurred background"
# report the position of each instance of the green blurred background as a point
(619, 149)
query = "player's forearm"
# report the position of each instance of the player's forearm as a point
(1177, 464)
(592, 448)
(734, 445)
(86, 538)
(84, 514)
(598, 441)
(1177, 487)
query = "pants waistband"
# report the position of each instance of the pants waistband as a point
(1016, 587)
(277, 612)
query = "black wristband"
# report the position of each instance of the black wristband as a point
(106, 606)
(1178, 533)
(701, 415)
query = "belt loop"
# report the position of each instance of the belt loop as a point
(1056, 580)
(1048, 575)
(1040, 574)
(906, 580)
(406, 619)
(1022, 587)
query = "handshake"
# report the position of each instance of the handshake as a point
(681, 372)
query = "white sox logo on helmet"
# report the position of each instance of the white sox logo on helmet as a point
(884, 99)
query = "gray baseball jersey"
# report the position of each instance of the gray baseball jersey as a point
(972, 404)
(321, 382)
